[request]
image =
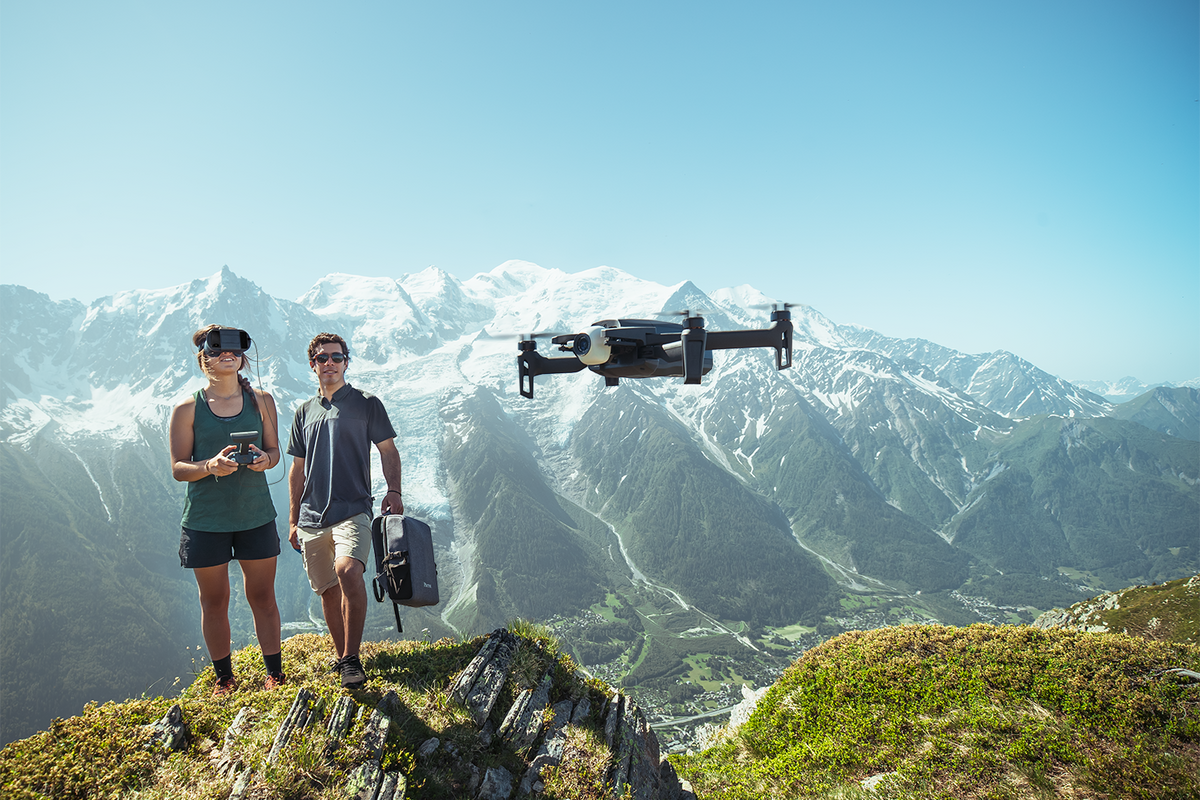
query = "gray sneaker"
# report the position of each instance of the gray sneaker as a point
(353, 674)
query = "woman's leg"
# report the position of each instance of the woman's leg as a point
(259, 577)
(214, 608)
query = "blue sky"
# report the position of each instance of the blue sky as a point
(1019, 175)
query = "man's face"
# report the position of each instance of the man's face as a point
(331, 373)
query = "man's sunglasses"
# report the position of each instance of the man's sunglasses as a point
(323, 358)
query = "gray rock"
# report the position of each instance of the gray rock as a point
(517, 715)
(237, 729)
(230, 761)
(486, 691)
(241, 787)
(340, 719)
(872, 783)
(524, 730)
(612, 718)
(466, 679)
(364, 781)
(551, 751)
(582, 709)
(393, 787)
(638, 762)
(497, 784)
(428, 747)
(624, 741)
(296, 719)
(671, 787)
(740, 714)
(170, 732)
(475, 780)
(380, 723)
(645, 763)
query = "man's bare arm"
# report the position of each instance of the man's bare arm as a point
(295, 495)
(389, 459)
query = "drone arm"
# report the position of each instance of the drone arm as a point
(778, 336)
(531, 363)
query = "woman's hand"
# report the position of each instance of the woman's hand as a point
(221, 464)
(261, 462)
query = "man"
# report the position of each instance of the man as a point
(330, 491)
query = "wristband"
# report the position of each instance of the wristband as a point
(389, 491)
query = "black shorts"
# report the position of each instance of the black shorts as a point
(207, 549)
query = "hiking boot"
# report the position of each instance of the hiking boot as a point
(275, 680)
(352, 671)
(226, 685)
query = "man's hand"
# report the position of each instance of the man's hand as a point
(294, 537)
(392, 503)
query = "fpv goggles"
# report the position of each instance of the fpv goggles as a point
(222, 340)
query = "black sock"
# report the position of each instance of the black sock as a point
(274, 663)
(224, 666)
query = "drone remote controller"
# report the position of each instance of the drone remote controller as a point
(243, 455)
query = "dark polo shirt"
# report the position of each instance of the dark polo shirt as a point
(334, 438)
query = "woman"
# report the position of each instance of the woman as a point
(228, 513)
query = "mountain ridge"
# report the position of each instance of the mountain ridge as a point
(857, 468)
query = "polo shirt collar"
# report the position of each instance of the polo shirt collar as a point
(338, 395)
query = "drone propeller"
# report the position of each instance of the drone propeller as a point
(522, 337)
(773, 306)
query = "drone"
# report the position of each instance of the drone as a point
(647, 348)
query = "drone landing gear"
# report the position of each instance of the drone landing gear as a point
(608, 381)
(693, 339)
(530, 363)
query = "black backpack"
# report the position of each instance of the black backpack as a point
(404, 567)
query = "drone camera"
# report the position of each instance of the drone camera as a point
(590, 346)
(243, 455)
(221, 340)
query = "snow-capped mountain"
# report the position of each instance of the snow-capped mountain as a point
(754, 498)
(1128, 388)
(1003, 382)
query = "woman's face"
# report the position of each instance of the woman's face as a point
(226, 363)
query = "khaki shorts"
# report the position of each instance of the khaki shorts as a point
(350, 538)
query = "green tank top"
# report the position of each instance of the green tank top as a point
(236, 502)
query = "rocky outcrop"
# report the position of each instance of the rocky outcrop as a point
(1086, 617)
(637, 761)
(536, 728)
(1162, 612)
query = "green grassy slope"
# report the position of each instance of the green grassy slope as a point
(968, 713)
